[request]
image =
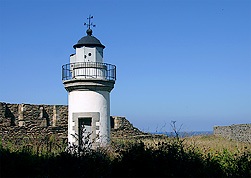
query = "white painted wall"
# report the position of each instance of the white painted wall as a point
(99, 54)
(88, 54)
(90, 101)
(82, 54)
(73, 58)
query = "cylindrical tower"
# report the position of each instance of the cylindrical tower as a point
(89, 82)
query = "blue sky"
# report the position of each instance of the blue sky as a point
(182, 60)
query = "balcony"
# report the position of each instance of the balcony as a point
(88, 71)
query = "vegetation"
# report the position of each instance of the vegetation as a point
(200, 156)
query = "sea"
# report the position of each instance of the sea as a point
(186, 134)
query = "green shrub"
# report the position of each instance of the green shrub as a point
(132, 158)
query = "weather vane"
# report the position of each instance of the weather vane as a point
(90, 23)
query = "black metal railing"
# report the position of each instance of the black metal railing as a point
(89, 70)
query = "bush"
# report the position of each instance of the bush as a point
(126, 159)
(164, 160)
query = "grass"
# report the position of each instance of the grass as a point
(212, 144)
(204, 144)
(198, 156)
(35, 144)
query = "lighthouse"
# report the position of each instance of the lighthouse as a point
(89, 82)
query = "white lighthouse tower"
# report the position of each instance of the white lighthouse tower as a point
(89, 82)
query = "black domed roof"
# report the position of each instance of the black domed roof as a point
(88, 40)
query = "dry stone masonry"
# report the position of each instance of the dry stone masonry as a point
(121, 127)
(21, 120)
(24, 120)
(241, 132)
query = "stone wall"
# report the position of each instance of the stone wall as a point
(121, 127)
(24, 120)
(18, 120)
(241, 132)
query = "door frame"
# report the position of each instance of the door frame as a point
(95, 124)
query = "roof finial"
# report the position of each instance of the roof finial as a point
(89, 30)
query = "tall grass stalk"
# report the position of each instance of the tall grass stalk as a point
(200, 156)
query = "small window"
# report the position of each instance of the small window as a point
(89, 54)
